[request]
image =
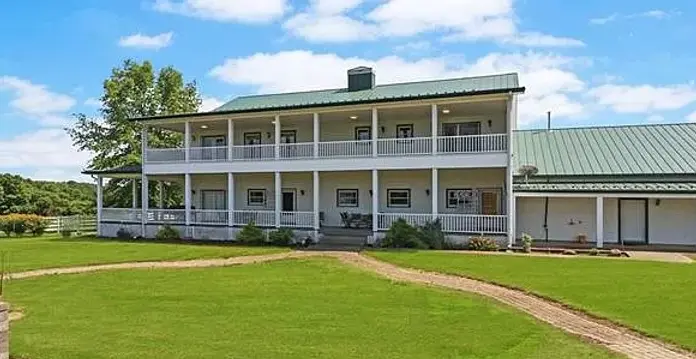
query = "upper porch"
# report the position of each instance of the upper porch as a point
(476, 131)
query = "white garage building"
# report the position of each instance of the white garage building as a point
(610, 185)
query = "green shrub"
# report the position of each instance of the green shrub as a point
(482, 244)
(251, 234)
(65, 233)
(403, 235)
(167, 233)
(431, 234)
(22, 223)
(123, 234)
(527, 243)
(281, 237)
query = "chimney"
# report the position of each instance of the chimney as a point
(361, 78)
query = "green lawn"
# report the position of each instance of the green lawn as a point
(653, 297)
(47, 252)
(312, 308)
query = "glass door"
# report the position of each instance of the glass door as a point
(214, 148)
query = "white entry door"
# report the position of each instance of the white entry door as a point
(633, 220)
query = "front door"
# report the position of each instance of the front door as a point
(633, 225)
(288, 204)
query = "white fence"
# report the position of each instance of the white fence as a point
(345, 149)
(208, 154)
(385, 220)
(297, 150)
(163, 155)
(253, 152)
(83, 224)
(216, 217)
(166, 216)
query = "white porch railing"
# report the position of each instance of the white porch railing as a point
(121, 215)
(253, 152)
(385, 220)
(260, 218)
(155, 155)
(404, 146)
(474, 223)
(297, 219)
(208, 154)
(453, 223)
(297, 150)
(345, 149)
(204, 216)
(472, 144)
(174, 216)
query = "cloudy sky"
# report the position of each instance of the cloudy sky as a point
(592, 62)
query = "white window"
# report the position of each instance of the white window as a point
(346, 198)
(256, 197)
(363, 133)
(404, 131)
(465, 200)
(399, 198)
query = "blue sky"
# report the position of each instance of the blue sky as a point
(590, 62)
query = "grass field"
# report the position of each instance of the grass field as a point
(47, 252)
(314, 308)
(653, 297)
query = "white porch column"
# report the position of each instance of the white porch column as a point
(99, 204)
(230, 199)
(509, 195)
(277, 136)
(315, 127)
(375, 123)
(433, 126)
(187, 198)
(600, 222)
(315, 199)
(160, 194)
(278, 198)
(144, 197)
(143, 144)
(187, 140)
(230, 138)
(375, 199)
(434, 193)
(134, 194)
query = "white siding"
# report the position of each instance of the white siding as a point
(567, 218)
(468, 178)
(244, 182)
(672, 222)
(329, 182)
(417, 181)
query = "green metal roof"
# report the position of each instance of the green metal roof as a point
(662, 187)
(389, 92)
(122, 170)
(613, 151)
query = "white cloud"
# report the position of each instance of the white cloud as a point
(549, 81)
(141, 41)
(414, 46)
(468, 20)
(93, 102)
(45, 148)
(655, 14)
(655, 119)
(210, 103)
(643, 98)
(36, 101)
(246, 11)
(691, 117)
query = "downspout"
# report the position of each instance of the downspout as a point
(546, 199)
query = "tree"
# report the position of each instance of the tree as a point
(133, 90)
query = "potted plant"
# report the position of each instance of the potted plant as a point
(581, 238)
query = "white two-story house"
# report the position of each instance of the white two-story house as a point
(357, 157)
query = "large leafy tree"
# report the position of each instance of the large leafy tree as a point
(133, 90)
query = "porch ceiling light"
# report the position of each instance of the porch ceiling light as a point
(204, 126)
(353, 117)
(446, 111)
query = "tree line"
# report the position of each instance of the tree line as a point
(45, 198)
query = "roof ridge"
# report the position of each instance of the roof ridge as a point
(602, 127)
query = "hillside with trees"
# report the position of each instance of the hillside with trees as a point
(45, 198)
